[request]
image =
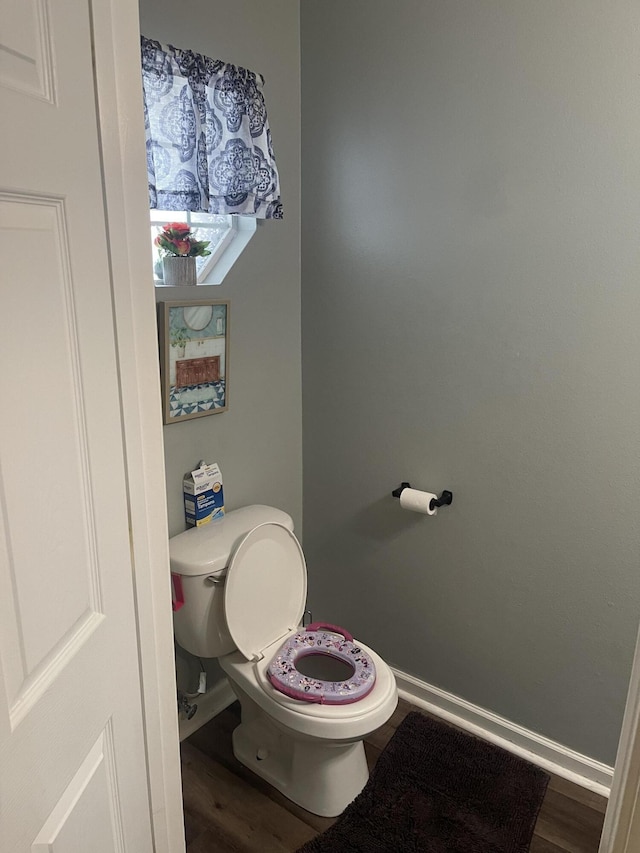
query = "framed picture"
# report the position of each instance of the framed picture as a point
(194, 359)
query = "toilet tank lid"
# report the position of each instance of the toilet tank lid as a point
(206, 550)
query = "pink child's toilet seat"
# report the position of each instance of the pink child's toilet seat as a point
(322, 639)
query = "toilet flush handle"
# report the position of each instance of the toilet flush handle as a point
(326, 626)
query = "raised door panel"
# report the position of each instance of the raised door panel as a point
(25, 48)
(86, 817)
(46, 489)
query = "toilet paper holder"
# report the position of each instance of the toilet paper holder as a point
(445, 499)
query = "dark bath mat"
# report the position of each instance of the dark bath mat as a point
(435, 789)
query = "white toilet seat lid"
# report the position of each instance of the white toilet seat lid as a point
(266, 588)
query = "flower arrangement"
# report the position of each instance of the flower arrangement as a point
(176, 241)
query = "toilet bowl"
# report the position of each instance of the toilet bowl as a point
(244, 585)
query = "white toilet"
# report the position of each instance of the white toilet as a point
(308, 696)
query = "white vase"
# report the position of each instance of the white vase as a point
(179, 271)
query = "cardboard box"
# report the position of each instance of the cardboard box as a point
(203, 495)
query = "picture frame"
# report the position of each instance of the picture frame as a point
(194, 358)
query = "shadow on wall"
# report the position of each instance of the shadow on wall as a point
(189, 667)
(376, 521)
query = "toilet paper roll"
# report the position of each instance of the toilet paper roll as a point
(417, 501)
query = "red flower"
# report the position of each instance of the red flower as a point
(178, 229)
(182, 247)
(176, 239)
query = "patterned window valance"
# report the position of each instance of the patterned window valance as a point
(208, 138)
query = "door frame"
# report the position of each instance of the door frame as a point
(621, 830)
(116, 44)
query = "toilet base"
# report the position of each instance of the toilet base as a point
(321, 776)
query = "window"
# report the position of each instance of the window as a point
(227, 235)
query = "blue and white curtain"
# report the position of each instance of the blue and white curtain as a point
(208, 138)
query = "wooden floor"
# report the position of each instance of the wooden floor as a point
(230, 810)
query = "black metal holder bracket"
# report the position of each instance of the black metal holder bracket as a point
(397, 492)
(445, 499)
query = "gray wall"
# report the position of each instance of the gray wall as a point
(471, 304)
(258, 440)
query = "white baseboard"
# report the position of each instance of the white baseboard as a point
(539, 750)
(209, 704)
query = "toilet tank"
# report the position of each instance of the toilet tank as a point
(200, 556)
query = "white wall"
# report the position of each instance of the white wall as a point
(257, 442)
(471, 185)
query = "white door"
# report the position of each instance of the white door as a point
(72, 762)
